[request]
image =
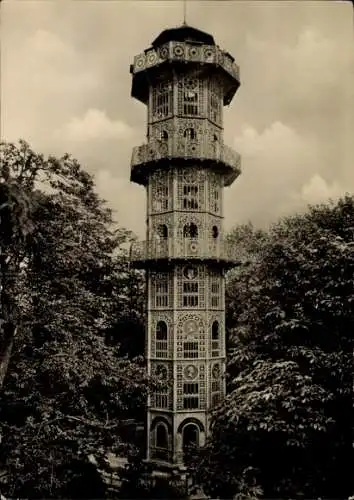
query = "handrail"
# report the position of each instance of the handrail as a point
(190, 248)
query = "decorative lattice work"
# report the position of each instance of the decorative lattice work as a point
(162, 399)
(161, 131)
(191, 189)
(160, 227)
(215, 188)
(162, 100)
(161, 290)
(191, 287)
(215, 91)
(184, 220)
(216, 335)
(160, 191)
(191, 336)
(189, 136)
(214, 235)
(215, 290)
(191, 386)
(191, 95)
(216, 383)
(161, 335)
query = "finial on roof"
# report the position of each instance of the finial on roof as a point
(184, 12)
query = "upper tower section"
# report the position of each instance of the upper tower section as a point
(183, 46)
(185, 79)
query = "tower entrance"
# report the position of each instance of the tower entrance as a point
(190, 437)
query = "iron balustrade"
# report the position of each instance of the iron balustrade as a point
(205, 150)
(186, 248)
(186, 51)
(162, 454)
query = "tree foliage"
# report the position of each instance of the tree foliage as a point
(64, 288)
(285, 428)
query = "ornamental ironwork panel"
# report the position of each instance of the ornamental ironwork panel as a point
(191, 329)
(161, 290)
(186, 51)
(162, 398)
(191, 386)
(160, 334)
(216, 334)
(191, 248)
(158, 150)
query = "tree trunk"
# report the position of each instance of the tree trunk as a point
(8, 323)
(8, 337)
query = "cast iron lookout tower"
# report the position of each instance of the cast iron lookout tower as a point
(184, 79)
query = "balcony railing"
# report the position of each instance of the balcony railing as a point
(186, 248)
(157, 150)
(186, 51)
(160, 454)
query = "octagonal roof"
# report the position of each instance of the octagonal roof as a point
(182, 34)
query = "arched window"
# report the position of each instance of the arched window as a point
(215, 232)
(215, 103)
(161, 289)
(161, 394)
(162, 100)
(190, 436)
(161, 436)
(190, 134)
(215, 201)
(162, 231)
(190, 231)
(215, 291)
(215, 345)
(216, 385)
(190, 97)
(164, 135)
(161, 340)
(190, 197)
(215, 330)
(160, 193)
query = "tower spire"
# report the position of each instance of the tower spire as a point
(184, 12)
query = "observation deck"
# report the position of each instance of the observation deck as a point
(144, 253)
(187, 50)
(159, 153)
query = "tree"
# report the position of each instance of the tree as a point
(284, 430)
(19, 168)
(66, 391)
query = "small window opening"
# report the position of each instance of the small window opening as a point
(190, 231)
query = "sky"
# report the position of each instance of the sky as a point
(65, 87)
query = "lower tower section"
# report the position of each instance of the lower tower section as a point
(186, 347)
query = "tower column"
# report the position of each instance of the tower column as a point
(185, 79)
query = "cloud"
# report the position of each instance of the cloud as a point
(317, 190)
(309, 69)
(94, 125)
(43, 79)
(276, 157)
(66, 88)
(280, 175)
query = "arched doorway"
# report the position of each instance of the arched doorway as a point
(161, 442)
(161, 436)
(190, 437)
